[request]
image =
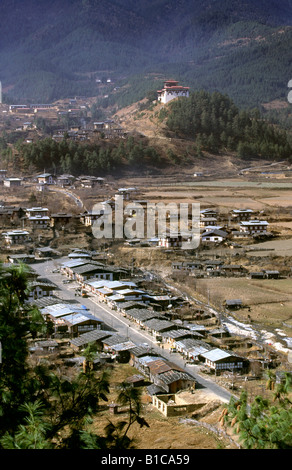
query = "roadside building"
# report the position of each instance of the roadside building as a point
(169, 376)
(219, 360)
(95, 336)
(41, 288)
(45, 178)
(79, 323)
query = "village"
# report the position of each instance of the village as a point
(181, 319)
(174, 323)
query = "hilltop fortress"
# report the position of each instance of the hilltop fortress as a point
(172, 90)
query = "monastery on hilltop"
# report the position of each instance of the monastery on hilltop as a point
(172, 90)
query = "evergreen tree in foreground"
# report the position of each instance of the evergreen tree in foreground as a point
(263, 425)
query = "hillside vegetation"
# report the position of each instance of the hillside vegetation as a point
(216, 124)
(175, 134)
(52, 50)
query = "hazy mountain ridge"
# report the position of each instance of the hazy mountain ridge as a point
(45, 44)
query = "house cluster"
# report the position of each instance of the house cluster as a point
(209, 268)
(67, 318)
(145, 309)
(215, 229)
(23, 221)
(108, 129)
(211, 231)
(149, 312)
(72, 321)
(165, 376)
(65, 180)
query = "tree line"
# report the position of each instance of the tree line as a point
(216, 124)
(69, 156)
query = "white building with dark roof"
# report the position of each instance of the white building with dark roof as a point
(254, 227)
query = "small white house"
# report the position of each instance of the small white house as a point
(16, 237)
(45, 178)
(218, 360)
(33, 211)
(12, 182)
(39, 289)
(214, 236)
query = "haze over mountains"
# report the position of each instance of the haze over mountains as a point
(55, 49)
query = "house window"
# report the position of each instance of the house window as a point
(86, 327)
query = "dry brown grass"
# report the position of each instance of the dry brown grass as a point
(163, 433)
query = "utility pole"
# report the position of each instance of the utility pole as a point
(0, 92)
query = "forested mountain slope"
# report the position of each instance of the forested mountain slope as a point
(57, 49)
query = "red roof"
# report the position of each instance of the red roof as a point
(176, 88)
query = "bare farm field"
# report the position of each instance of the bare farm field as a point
(267, 302)
(280, 247)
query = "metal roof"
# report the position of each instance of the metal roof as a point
(233, 302)
(77, 318)
(177, 333)
(146, 359)
(62, 309)
(254, 222)
(88, 267)
(158, 325)
(188, 343)
(72, 264)
(116, 339)
(143, 314)
(127, 345)
(215, 355)
(171, 376)
(161, 365)
(91, 336)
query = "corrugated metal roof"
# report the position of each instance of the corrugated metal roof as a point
(177, 333)
(72, 264)
(127, 345)
(158, 325)
(59, 310)
(90, 337)
(115, 339)
(216, 354)
(142, 314)
(146, 359)
(173, 376)
(162, 365)
(77, 318)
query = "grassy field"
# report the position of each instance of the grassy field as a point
(269, 302)
(162, 433)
